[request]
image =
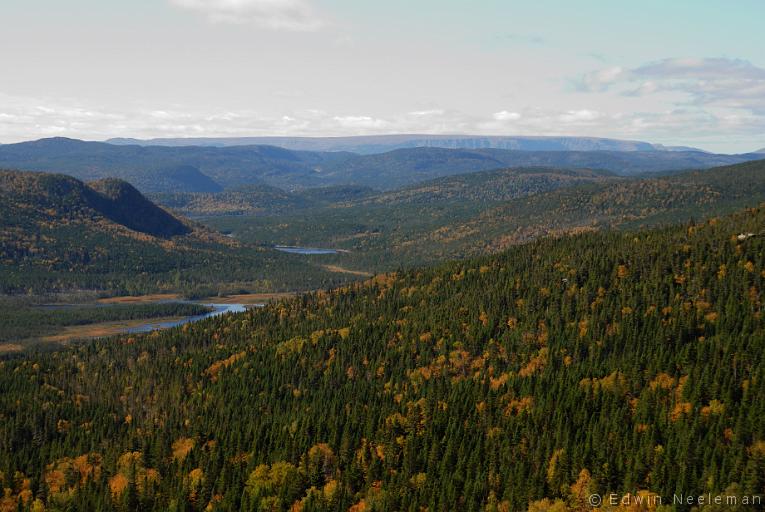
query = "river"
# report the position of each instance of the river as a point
(218, 309)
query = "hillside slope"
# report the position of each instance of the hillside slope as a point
(58, 234)
(477, 187)
(600, 363)
(470, 214)
(28, 198)
(489, 186)
(259, 200)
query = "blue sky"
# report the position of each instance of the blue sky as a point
(678, 73)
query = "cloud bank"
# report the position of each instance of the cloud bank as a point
(37, 118)
(716, 104)
(294, 15)
(709, 95)
(718, 82)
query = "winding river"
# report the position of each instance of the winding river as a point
(218, 309)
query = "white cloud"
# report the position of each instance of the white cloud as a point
(272, 14)
(363, 122)
(706, 96)
(708, 68)
(505, 115)
(712, 82)
(25, 118)
(732, 83)
(579, 116)
(160, 114)
(427, 113)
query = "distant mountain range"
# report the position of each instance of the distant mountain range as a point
(371, 144)
(404, 167)
(157, 169)
(165, 169)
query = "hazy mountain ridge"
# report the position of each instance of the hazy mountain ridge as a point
(403, 167)
(164, 169)
(369, 144)
(192, 168)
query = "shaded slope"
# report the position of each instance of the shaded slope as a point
(59, 234)
(63, 197)
(123, 204)
(187, 178)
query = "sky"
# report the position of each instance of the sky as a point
(676, 72)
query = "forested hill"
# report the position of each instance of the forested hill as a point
(58, 233)
(477, 188)
(259, 200)
(487, 186)
(478, 213)
(57, 198)
(603, 362)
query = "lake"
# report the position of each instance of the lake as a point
(304, 250)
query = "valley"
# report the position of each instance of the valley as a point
(26, 324)
(474, 213)
(336, 256)
(475, 332)
(107, 238)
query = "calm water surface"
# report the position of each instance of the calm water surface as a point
(304, 250)
(218, 309)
